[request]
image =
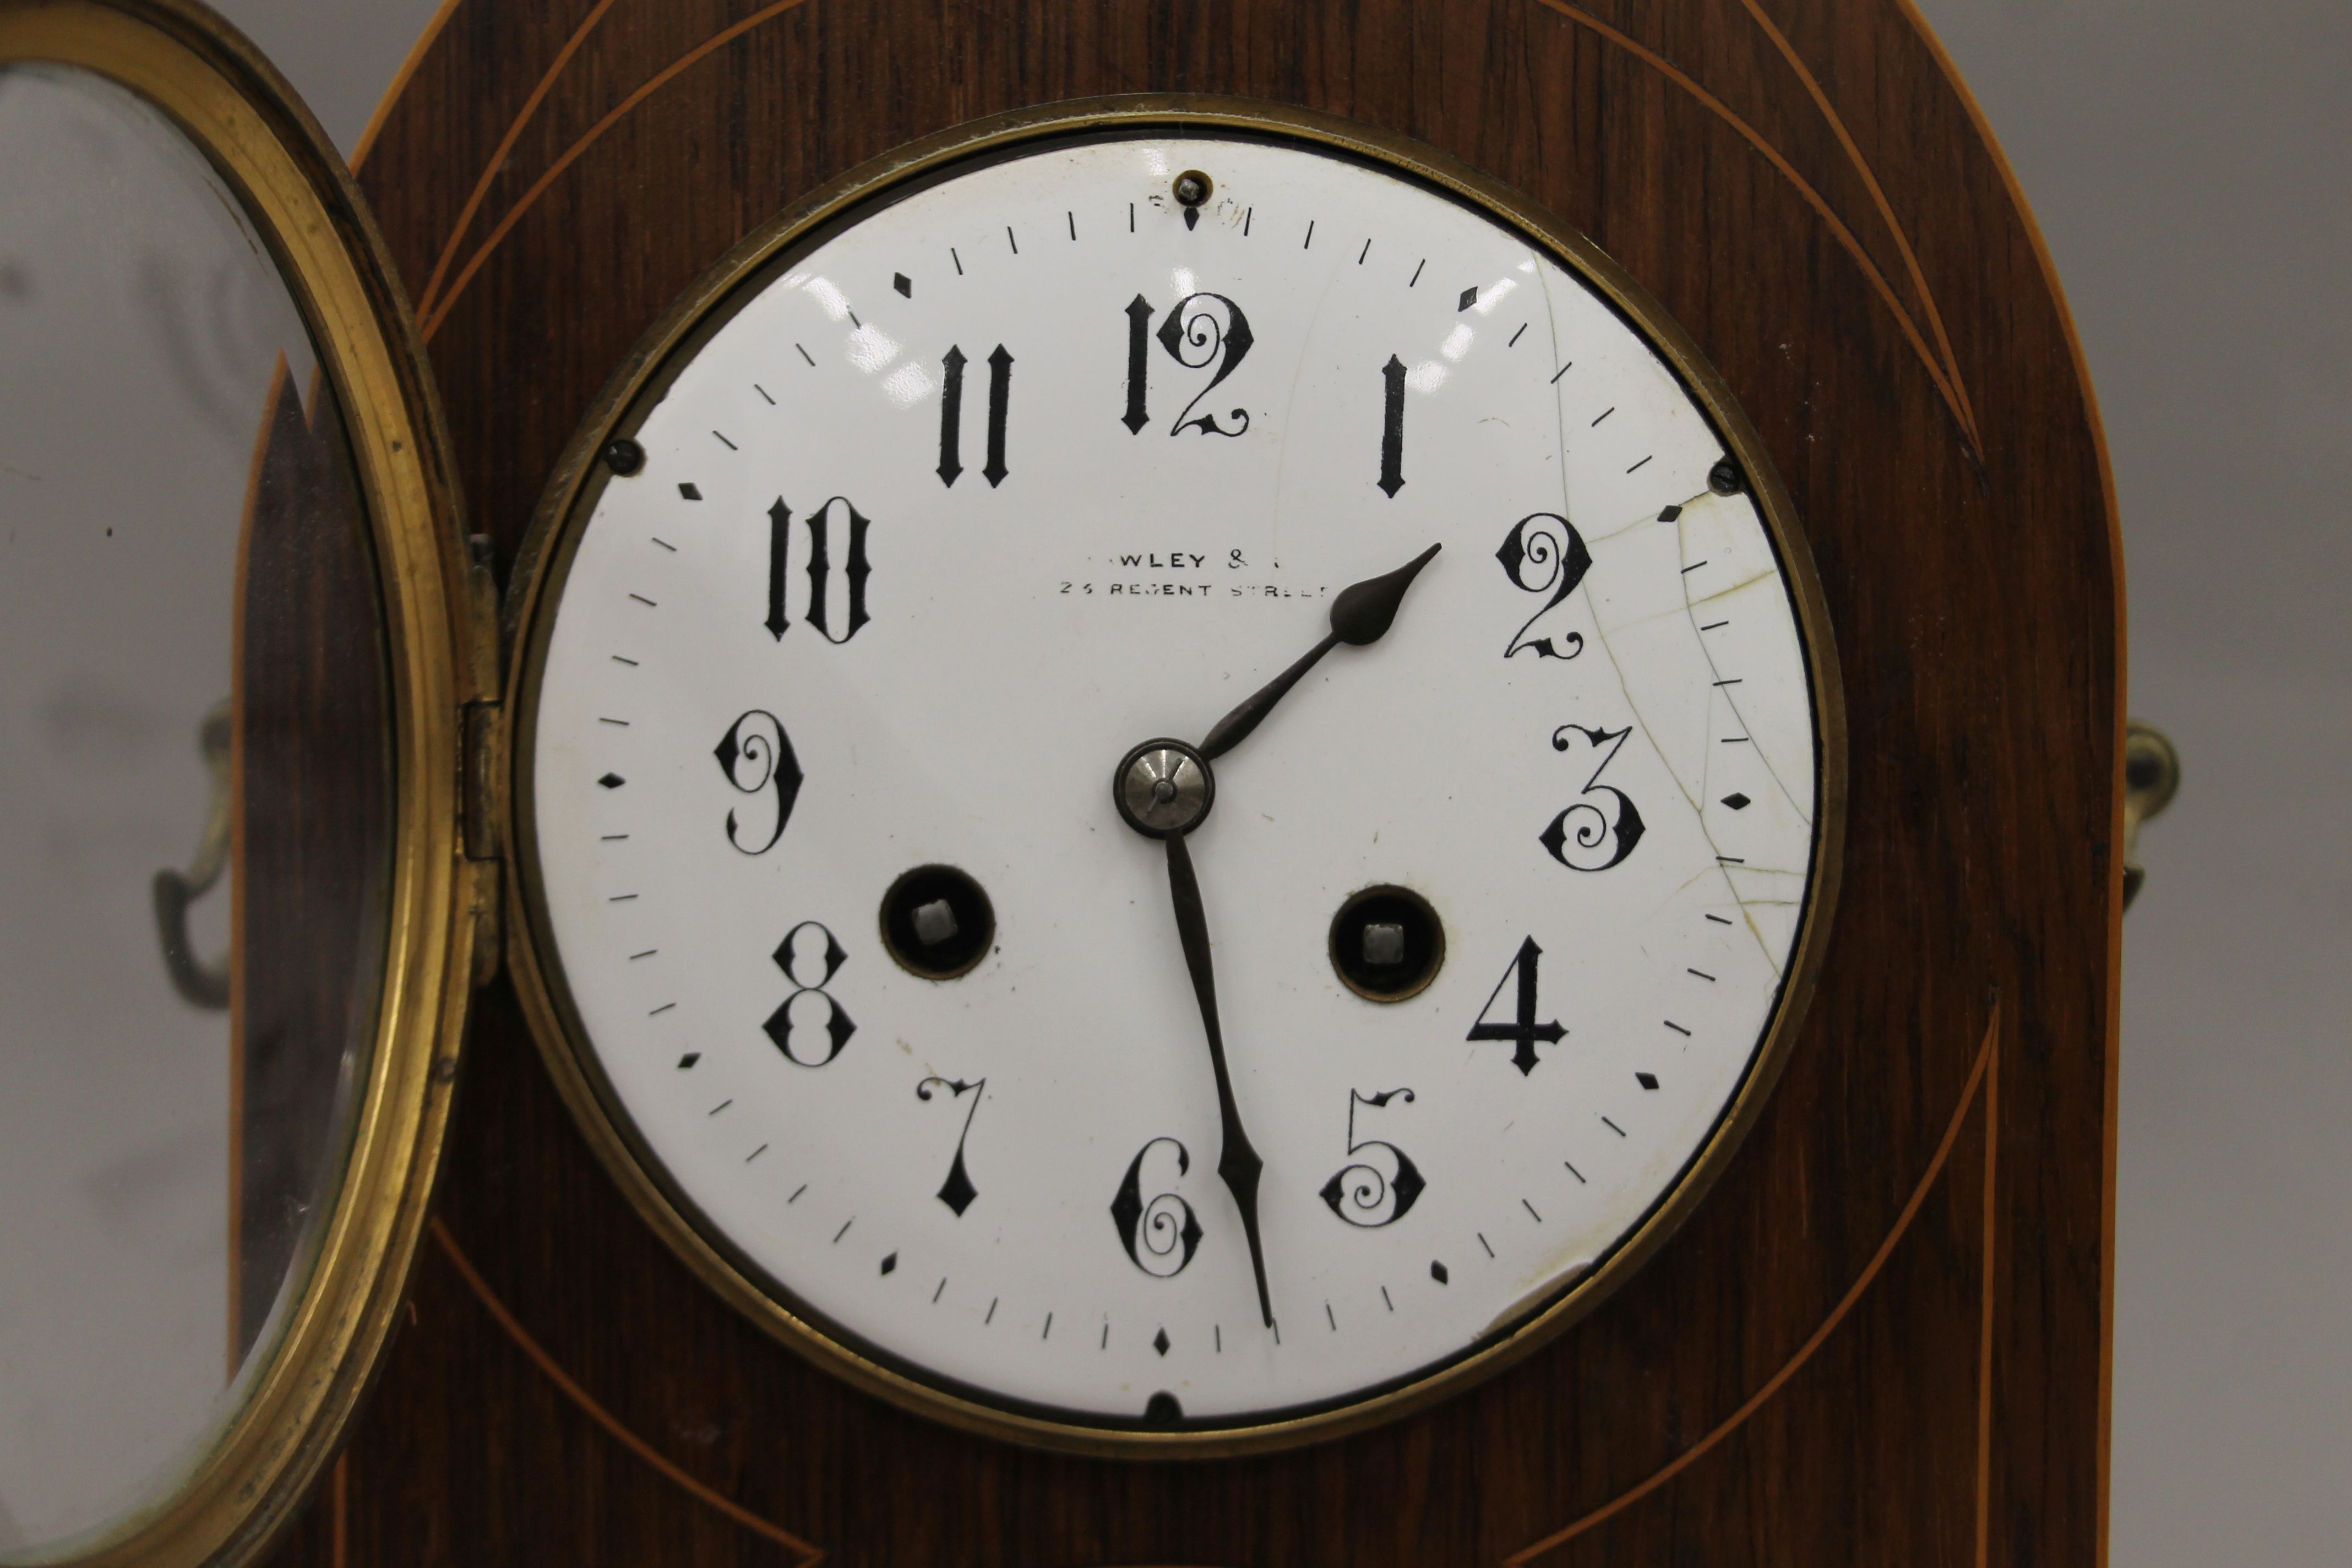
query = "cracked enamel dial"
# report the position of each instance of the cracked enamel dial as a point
(949, 505)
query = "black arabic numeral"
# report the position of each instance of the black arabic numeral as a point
(1586, 838)
(1362, 1194)
(1000, 395)
(790, 957)
(1536, 557)
(1522, 1031)
(1201, 330)
(855, 569)
(757, 757)
(957, 1192)
(1161, 1235)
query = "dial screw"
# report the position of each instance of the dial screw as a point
(1725, 480)
(1163, 788)
(624, 456)
(1192, 187)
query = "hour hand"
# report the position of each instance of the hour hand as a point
(1359, 615)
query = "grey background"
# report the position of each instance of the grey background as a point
(2190, 162)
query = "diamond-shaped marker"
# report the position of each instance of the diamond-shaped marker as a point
(890, 1264)
(1671, 513)
(1160, 1342)
(1437, 1272)
(1737, 801)
(689, 1059)
(1469, 297)
(1647, 1079)
(898, 282)
(688, 492)
(612, 781)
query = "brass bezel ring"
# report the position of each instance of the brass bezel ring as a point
(553, 540)
(245, 1478)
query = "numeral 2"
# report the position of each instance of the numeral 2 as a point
(1559, 561)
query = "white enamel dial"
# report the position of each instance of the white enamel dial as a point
(976, 491)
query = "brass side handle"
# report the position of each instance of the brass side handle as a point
(199, 983)
(2151, 777)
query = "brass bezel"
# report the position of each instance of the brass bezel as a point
(249, 1475)
(538, 586)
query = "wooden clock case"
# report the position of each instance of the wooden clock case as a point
(1884, 1338)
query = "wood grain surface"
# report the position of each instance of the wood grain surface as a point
(1882, 1340)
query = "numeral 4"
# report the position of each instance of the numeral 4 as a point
(1522, 1031)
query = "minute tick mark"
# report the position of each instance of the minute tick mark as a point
(1531, 1210)
(1693, 567)
(1011, 241)
(1712, 625)
(718, 1107)
(1701, 974)
(1604, 413)
(1720, 919)
(755, 1153)
(1482, 1241)
(796, 1198)
(617, 724)
(992, 1309)
(1517, 336)
(1416, 272)
(1677, 1029)
(1577, 1173)
(1361, 254)
(630, 662)
(641, 599)
(647, 954)
(1563, 371)
(1310, 235)
(771, 402)
(1613, 1127)
(1643, 462)
(665, 544)
(726, 443)
(804, 354)
(844, 1228)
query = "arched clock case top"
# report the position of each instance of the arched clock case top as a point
(1898, 1289)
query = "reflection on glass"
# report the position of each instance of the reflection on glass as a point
(196, 841)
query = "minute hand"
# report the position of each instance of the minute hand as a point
(1359, 615)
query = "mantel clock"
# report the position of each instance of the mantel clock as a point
(1286, 786)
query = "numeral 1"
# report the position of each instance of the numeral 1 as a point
(1393, 428)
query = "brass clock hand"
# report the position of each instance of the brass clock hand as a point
(1359, 615)
(1164, 789)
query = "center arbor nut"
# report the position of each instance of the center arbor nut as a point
(1163, 788)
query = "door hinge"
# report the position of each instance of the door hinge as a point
(482, 763)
